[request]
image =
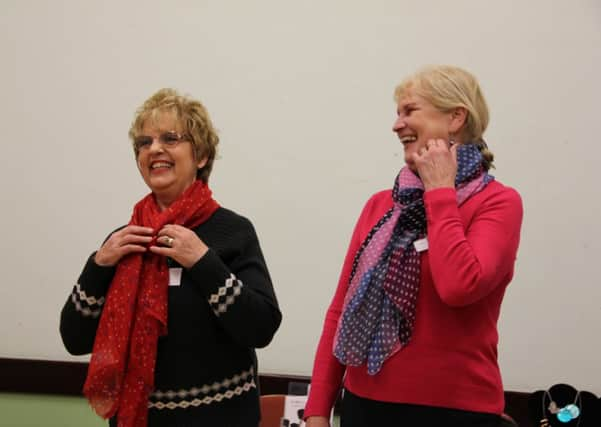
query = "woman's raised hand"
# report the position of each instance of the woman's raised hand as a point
(436, 164)
(130, 239)
(180, 244)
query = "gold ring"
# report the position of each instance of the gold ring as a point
(169, 241)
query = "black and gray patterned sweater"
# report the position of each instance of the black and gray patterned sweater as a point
(224, 308)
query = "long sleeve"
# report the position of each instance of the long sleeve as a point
(327, 374)
(81, 313)
(469, 261)
(240, 293)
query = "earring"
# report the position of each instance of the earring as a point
(451, 140)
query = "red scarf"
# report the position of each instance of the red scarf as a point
(121, 372)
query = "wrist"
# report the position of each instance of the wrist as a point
(101, 261)
(193, 260)
(432, 186)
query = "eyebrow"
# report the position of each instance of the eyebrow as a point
(405, 106)
(160, 131)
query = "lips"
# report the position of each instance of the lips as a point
(407, 139)
(160, 165)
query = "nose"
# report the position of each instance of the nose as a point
(155, 145)
(399, 124)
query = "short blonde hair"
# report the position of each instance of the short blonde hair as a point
(447, 87)
(192, 116)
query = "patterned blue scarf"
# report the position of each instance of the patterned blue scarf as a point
(378, 314)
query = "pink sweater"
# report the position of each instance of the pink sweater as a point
(451, 360)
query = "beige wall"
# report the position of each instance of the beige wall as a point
(302, 94)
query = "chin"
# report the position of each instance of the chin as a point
(157, 188)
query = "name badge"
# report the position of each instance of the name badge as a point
(175, 276)
(421, 244)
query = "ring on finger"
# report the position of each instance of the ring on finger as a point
(169, 241)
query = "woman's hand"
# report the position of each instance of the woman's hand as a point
(130, 239)
(436, 164)
(180, 244)
(317, 422)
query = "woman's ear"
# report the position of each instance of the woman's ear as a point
(201, 164)
(458, 120)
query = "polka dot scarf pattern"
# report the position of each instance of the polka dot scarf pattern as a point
(121, 372)
(378, 313)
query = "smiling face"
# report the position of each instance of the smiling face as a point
(167, 170)
(419, 121)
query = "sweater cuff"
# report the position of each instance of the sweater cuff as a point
(314, 408)
(89, 293)
(216, 282)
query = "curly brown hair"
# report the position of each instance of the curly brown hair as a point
(192, 116)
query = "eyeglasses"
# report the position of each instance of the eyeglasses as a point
(166, 139)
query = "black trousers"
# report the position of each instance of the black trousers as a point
(360, 412)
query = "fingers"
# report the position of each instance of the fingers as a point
(136, 229)
(169, 234)
(436, 164)
(134, 238)
(173, 241)
(128, 249)
(436, 146)
(436, 143)
(166, 240)
(162, 250)
(111, 253)
(181, 244)
(453, 150)
(165, 244)
(130, 239)
(132, 234)
(171, 230)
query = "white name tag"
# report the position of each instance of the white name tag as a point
(175, 276)
(421, 244)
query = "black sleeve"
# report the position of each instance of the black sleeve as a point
(81, 313)
(240, 294)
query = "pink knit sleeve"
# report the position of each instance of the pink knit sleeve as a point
(468, 262)
(326, 380)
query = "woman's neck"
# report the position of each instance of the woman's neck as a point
(164, 201)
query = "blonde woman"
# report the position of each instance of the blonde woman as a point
(411, 333)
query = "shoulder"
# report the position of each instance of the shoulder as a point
(229, 216)
(383, 196)
(229, 221)
(228, 233)
(497, 192)
(375, 207)
(497, 199)
(380, 202)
